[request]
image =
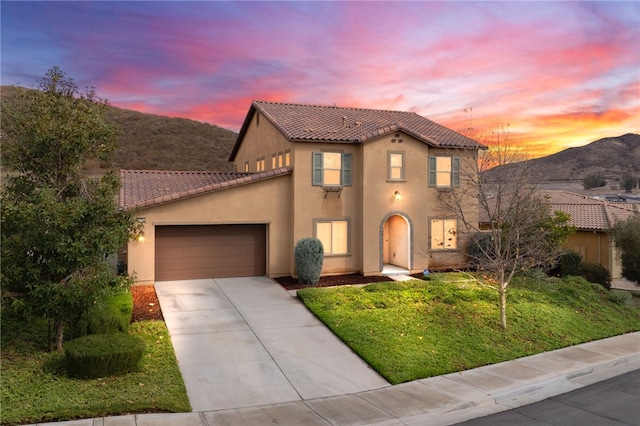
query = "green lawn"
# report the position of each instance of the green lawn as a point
(417, 329)
(35, 388)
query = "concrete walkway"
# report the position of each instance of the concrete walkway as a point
(265, 359)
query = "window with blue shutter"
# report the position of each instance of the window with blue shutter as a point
(444, 172)
(317, 169)
(432, 171)
(332, 169)
(455, 172)
(346, 169)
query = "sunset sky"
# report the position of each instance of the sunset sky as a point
(560, 73)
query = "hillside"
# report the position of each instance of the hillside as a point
(150, 141)
(612, 157)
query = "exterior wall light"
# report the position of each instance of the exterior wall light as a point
(397, 195)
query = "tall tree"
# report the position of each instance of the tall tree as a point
(58, 226)
(515, 229)
(627, 238)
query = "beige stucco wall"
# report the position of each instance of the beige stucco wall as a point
(264, 202)
(596, 247)
(261, 140)
(418, 204)
(311, 203)
(367, 203)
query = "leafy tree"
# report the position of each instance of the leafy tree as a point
(627, 238)
(58, 226)
(629, 182)
(517, 229)
(594, 181)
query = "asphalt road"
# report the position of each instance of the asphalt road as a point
(613, 402)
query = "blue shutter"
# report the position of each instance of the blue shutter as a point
(316, 176)
(455, 171)
(346, 169)
(432, 171)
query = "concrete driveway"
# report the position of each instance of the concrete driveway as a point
(243, 342)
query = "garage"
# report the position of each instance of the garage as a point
(209, 251)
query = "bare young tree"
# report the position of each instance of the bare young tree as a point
(513, 227)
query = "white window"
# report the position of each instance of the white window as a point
(334, 235)
(331, 169)
(444, 171)
(444, 234)
(395, 169)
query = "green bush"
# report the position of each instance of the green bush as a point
(569, 264)
(101, 355)
(480, 246)
(596, 273)
(309, 255)
(620, 297)
(112, 316)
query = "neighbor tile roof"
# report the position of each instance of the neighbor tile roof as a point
(317, 123)
(589, 213)
(145, 188)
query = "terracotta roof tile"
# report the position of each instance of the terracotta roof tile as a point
(586, 213)
(589, 213)
(317, 123)
(144, 188)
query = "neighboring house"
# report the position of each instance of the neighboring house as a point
(593, 220)
(366, 182)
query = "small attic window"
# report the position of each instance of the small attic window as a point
(257, 119)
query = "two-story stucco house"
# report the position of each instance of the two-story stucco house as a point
(367, 183)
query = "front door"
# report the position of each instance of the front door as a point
(395, 242)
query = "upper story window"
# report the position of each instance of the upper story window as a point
(280, 159)
(260, 164)
(395, 166)
(444, 171)
(287, 158)
(444, 234)
(273, 161)
(331, 169)
(246, 166)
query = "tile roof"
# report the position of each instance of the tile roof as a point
(589, 213)
(145, 188)
(316, 123)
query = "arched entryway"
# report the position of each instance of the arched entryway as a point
(396, 241)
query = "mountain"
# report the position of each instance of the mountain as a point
(612, 157)
(154, 142)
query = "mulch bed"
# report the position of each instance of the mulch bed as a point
(145, 304)
(147, 307)
(291, 283)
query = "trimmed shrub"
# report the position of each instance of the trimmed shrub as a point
(480, 244)
(112, 316)
(596, 273)
(569, 263)
(101, 355)
(620, 297)
(309, 255)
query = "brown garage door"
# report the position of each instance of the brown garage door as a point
(210, 251)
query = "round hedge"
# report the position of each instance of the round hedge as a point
(100, 355)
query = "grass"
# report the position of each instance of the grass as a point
(35, 387)
(416, 329)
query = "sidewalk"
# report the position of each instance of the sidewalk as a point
(441, 400)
